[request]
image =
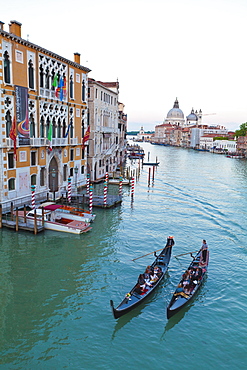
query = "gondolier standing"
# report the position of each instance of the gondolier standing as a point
(204, 250)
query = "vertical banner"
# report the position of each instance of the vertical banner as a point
(22, 120)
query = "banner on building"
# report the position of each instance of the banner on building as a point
(22, 119)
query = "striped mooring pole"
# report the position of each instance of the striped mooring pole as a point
(69, 189)
(132, 186)
(88, 183)
(91, 198)
(106, 177)
(120, 186)
(33, 196)
(105, 193)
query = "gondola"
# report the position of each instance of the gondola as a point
(134, 298)
(182, 298)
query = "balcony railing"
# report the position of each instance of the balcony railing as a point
(42, 141)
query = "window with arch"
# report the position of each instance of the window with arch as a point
(11, 184)
(6, 64)
(8, 123)
(71, 87)
(83, 90)
(54, 126)
(30, 74)
(42, 127)
(33, 179)
(64, 128)
(32, 125)
(41, 76)
(47, 78)
(59, 128)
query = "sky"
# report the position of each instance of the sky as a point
(159, 50)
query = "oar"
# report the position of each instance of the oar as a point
(169, 246)
(185, 254)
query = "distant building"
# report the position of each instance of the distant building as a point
(144, 136)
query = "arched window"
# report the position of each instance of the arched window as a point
(59, 128)
(32, 125)
(8, 123)
(71, 87)
(11, 184)
(47, 126)
(83, 90)
(30, 74)
(6, 64)
(47, 78)
(41, 76)
(33, 179)
(54, 126)
(42, 127)
(64, 128)
(71, 128)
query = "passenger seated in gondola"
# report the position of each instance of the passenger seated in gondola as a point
(198, 273)
(153, 278)
(179, 289)
(187, 289)
(148, 271)
(143, 282)
(186, 275)
(138, 289)
(157, 271)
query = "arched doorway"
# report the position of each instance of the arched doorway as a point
(53, 176)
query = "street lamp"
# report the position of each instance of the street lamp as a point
(76, 172)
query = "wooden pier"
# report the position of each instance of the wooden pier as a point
(12, 222)
(22, 226)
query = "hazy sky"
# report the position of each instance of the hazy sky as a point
(194, 50)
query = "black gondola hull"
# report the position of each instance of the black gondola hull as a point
(134, 299)
(178, 302)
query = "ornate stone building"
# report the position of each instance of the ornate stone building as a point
(43, 116)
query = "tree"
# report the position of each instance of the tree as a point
(242, 130)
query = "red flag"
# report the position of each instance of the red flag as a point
(86, 137)
(13, 136)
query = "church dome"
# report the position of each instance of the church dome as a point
(175, 112)
(192, 116)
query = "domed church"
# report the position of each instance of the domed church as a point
(175, 116)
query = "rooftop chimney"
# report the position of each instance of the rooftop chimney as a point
(1, 25)
(15, 28)
(77, 58)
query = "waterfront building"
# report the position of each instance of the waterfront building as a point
(242, 145)
(229, 146)
(108, 127)
(144, 136)
(43, 118)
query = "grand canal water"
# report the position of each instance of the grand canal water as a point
(55, 287)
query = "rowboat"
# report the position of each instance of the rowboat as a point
(135, 297)
(185, 293)
(54, 222)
